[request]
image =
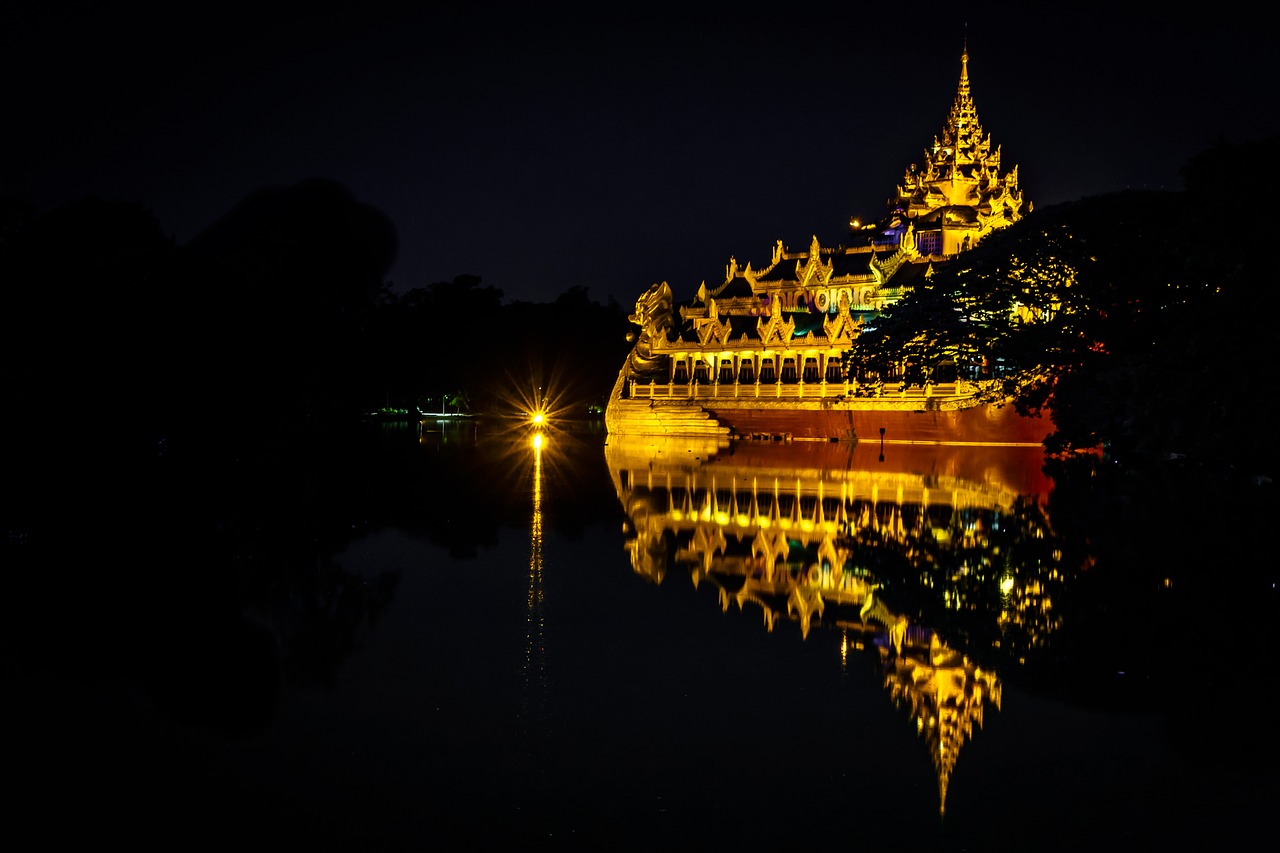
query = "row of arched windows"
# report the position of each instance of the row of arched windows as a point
(769, 372)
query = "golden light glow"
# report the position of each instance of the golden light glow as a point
(535, 403)
(537, 442)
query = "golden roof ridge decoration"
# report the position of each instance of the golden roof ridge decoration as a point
(712, 328)
(775, 328)
(841, 328)
(884, 270)
(812, 268)
(770, 546)
(804, 602)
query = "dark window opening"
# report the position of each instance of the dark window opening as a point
(789, 373)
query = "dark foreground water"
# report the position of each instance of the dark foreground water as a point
(645, 647)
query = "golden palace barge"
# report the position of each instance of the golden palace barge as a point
(766, 352)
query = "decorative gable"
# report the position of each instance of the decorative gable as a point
(813, 271)
(842, 327)
(775, 329)
(713, 330)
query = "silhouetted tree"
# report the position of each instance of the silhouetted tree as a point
(172, 431)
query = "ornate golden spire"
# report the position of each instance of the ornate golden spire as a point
(959, 195)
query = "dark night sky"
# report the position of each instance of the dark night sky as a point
(607, 146)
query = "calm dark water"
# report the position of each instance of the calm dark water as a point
(634, 647)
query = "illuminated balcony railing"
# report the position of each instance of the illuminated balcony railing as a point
(797, 391)
(741, 391)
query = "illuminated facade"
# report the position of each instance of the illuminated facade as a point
(765, 352)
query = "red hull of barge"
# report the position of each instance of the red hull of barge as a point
(978, 425)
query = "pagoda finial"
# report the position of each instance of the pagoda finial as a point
(962, 167)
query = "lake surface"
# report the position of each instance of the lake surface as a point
(603, 645)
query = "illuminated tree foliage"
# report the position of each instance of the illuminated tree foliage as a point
(1132, 315)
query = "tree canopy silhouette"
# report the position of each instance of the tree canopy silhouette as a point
(1142, 314)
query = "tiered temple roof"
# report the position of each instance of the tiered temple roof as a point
(941, 209)
(960, 190)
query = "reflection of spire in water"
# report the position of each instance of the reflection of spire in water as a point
(535, 668)
(942, 689)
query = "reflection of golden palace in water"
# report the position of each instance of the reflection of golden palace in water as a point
(791, 528)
